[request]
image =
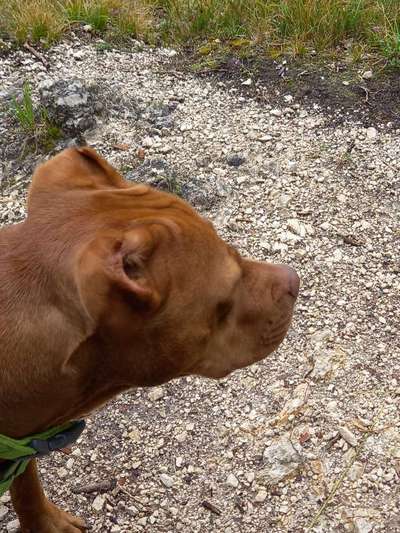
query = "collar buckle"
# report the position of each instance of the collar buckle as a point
(60, 440)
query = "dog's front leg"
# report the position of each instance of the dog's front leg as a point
(36, 514)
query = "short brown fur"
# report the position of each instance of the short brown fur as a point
(108, 286)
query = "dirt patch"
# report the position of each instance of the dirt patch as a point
(333, 87)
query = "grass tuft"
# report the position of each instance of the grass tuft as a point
(34, 123)
(277, 26)
(24, 112)
(224, 19)
(97, 14)
(31, 20)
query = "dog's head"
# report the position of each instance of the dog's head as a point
(162, 295)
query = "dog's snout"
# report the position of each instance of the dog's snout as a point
(288, 282)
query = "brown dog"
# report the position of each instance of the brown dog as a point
(108, 286)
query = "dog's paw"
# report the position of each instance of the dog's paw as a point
(53, 520)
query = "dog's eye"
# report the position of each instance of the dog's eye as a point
(131, 267)
(223, 310)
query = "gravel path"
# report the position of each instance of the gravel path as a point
(263, 450)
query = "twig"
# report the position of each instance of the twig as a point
(30, 49)
(211, 507)
(340, 479)
(131, 496)
(331, 442)
(100, 486)
(388, 165)
(366, 93)
(239, 504)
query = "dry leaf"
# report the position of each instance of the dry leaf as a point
(122, 147)
(304, 437)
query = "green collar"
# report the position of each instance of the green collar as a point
(18, 452)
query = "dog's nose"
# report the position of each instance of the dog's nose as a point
(293, 281)
(289, 282)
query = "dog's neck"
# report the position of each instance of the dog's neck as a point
(42, 371)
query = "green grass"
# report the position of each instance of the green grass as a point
(97, 14)
(355, 27)
(322, 24)
(388, 40)
(224, 19)
(24, 112)
(34, 122)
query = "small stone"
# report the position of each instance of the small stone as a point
(3, 511)
(371, 133)
(147, 142)
(276, 112)
(235, 160)
(142, 521)
(62, 473)
(115, 528)
(346, 83)
(247, 82)
(296, 403)
(337, 255)
(134, 434)
(288, 98)
(156, 394)
(165, 149)
(395, 452)
(298, 227)
(87, 27)
(361, 525)
(181, 437)
(261, 496)
(232, 481)
(179, 462)
(367, 75)
(98, 502)
(170, 52)
(356, 471)
(133, 510)
(79, 55)
(348, 436)
(6, 498)
(282, 460)
(332, 406)
(250, 477)
(265, 138)
(13, 526)
(166, 480)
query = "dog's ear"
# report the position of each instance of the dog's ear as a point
(75, 168)
(112, 272)
(97, 169)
